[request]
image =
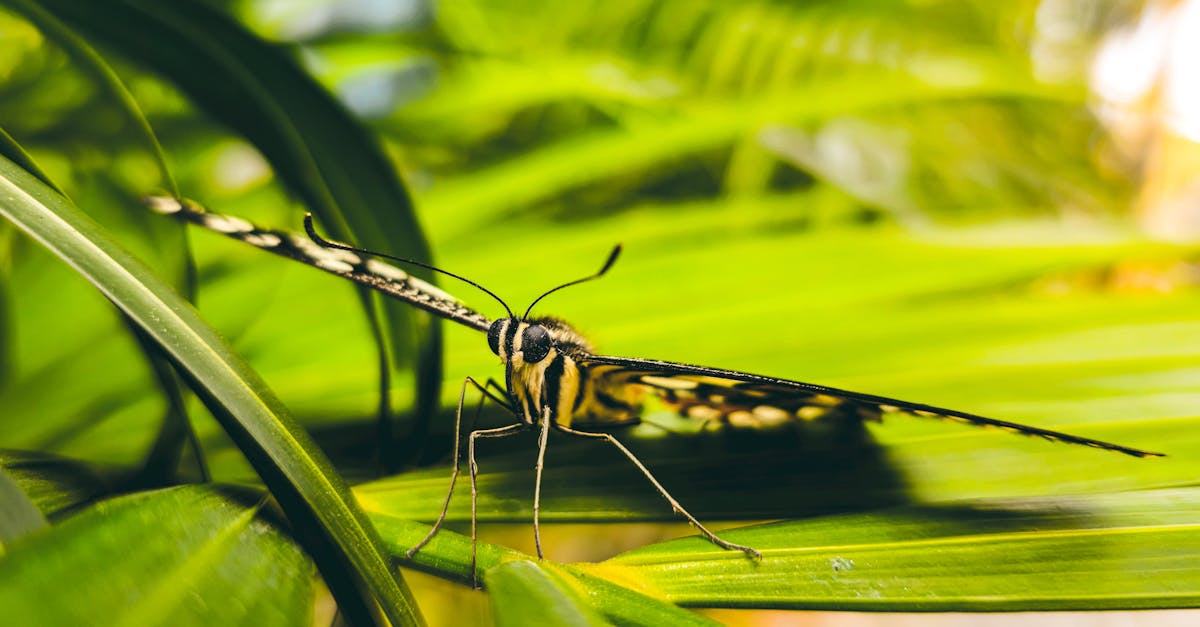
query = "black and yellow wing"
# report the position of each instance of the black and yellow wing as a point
(375, 274)
(745, 399)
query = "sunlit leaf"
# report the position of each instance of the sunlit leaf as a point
(324, 155)
(299, 476)
(184, 556)
(523, 591)
(1123, 551)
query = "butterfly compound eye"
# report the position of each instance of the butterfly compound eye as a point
(535, 344)
(494, 332)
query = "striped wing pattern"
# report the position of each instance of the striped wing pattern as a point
(727, 396)
(743, 399)
(372, 273)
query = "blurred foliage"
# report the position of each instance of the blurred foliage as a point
(906, 198)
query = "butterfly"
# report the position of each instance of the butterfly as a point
(553, 379)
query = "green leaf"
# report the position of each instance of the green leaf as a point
(14, 152)
(317, 148)
(523, 592)
(311, 493)
(18, 515)
(448, 555)
(55, 484)
(83, 54)
(1121, 551)
(625, 605)
(182, 556)
(1061, 553)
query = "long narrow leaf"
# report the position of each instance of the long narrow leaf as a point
(184, 556)
(310, 491)
(448, 555)
(316, 147)
(18, 515)
(94, 64)
(1121, 551)
(522, 591)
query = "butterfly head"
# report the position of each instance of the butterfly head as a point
(520, 341)
(534, 341)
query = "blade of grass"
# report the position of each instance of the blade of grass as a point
(201, 558)
(1134, 550)
(94, 65)
(15, 153)
(311, 493)
(448, 555)
(18, 515)
(523, 591)
(1120, 551)
(176, 433)
(324, 155)
(57, 485)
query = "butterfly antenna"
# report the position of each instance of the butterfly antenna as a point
(612, 258)
(324, 243)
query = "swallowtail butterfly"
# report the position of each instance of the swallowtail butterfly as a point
(553, 379)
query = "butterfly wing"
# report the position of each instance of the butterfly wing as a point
(372, 273)
(753, 400)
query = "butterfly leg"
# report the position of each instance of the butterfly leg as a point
(537, 485)
(498, 394)
(498, 432)
(453, 473)
(712, 537)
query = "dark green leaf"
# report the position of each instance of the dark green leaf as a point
(316, 147)
(311, 493)
(183, 556)
(58, 485)
(102, 73)
(448, 555)
(18, 515)
(12, 150)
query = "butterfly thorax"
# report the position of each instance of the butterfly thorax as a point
(543, 372)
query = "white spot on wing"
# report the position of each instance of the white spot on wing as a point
(770, 415)
(386, 271)
(227, 224)
(825, 400)
(262, 240)
(703, 412)
(333, 265)
(164, 204)
(743, 419)
(811, 413)
(431, 290)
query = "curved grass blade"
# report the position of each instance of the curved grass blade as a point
(57, 485)
(14, 152)
(310, 491)
(448, 555)
(94, 64)
(1135, 550)
(163, 459)
(201, 558)
(1123, 551)
(317, 148)
(523, 592)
